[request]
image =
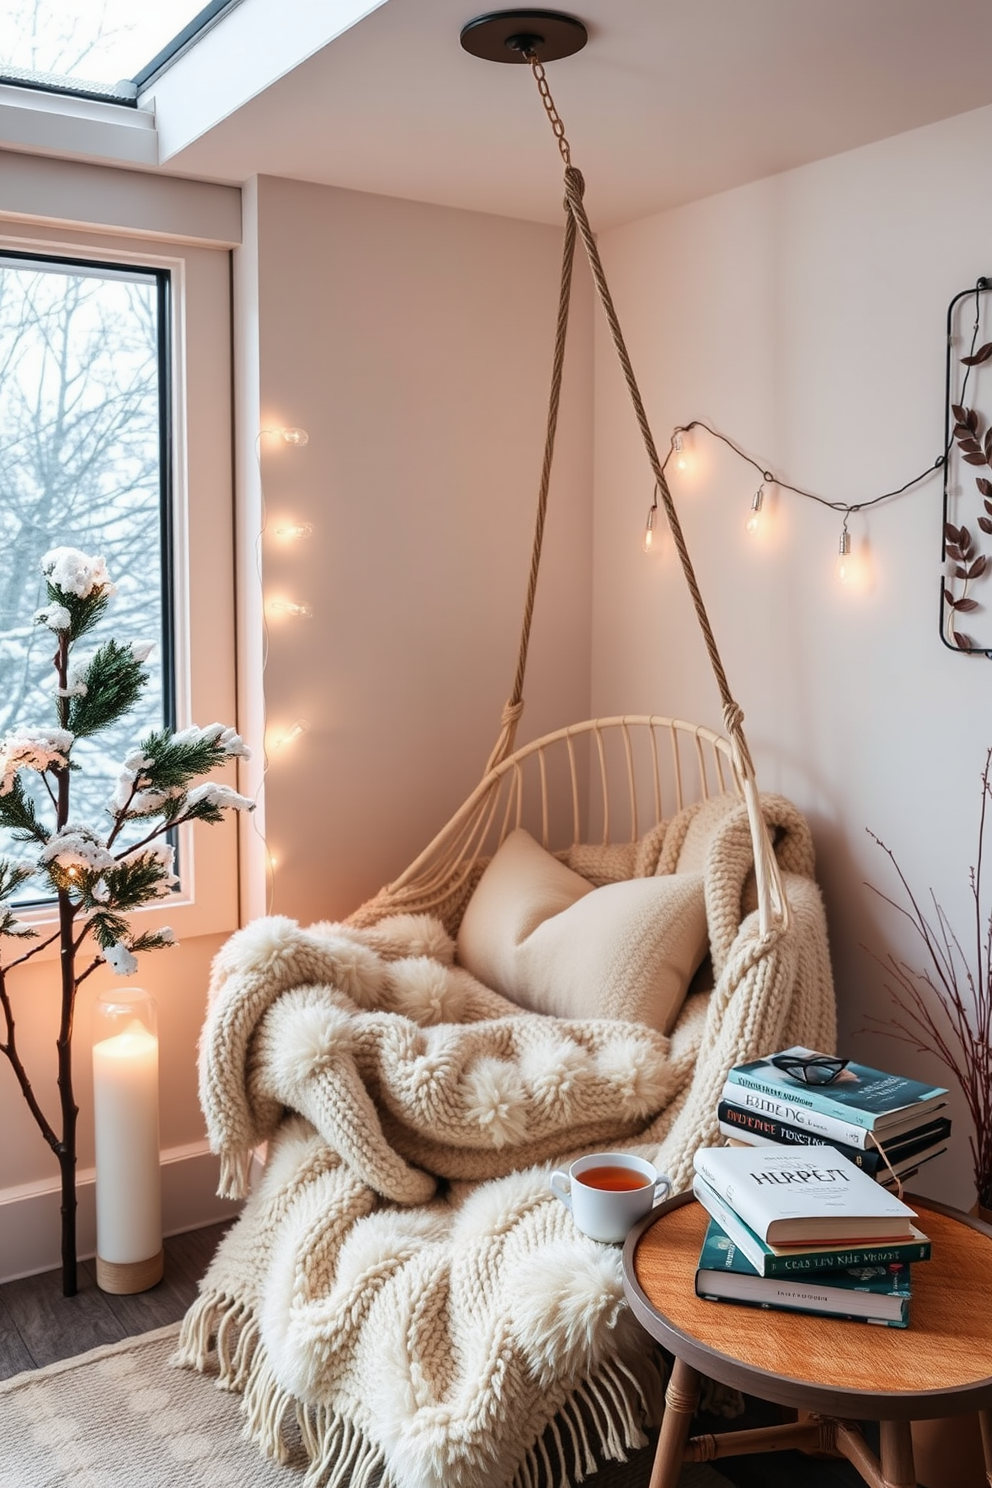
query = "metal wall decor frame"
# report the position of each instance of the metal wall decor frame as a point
(965, 609)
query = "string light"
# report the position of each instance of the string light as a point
(850, 569)
(298, 608)
(753, 523)
(648, 541)
(844, 563)
(297, 437)
(286, 531)
(294, 732)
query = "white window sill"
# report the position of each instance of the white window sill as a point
(79, 128)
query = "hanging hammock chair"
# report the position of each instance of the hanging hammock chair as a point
(441, 878)
(401, 1284)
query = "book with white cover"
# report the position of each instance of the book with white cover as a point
(803, 1195)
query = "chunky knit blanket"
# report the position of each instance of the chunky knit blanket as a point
(402, 1290)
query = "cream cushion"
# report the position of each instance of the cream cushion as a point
(543, 937)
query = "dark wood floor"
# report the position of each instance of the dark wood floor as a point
(38, 1325)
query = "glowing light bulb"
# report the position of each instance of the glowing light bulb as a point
(648, 540)
(290, 607)
(844, 564)
(294, 531)
(680, 459)
(753, 523)
(297, 437)
(294, 732)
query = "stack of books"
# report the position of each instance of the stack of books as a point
(804, 1230)
(861, 1113)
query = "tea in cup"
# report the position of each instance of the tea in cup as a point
(608, 1192)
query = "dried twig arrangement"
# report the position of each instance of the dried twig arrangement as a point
(946, 1008)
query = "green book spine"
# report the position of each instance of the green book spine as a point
(877, 1294)
(768, 1261)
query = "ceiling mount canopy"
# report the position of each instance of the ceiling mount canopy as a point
(518, 35)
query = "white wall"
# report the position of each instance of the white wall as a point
(804, 316)
(413, 343)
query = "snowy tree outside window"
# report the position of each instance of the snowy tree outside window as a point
(83, 392)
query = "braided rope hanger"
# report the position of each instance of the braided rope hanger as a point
(773, 906)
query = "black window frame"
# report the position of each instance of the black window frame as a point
(164, 299)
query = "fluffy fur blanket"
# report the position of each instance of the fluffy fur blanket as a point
(401, 1283)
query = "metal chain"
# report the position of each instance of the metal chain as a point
(540, 77)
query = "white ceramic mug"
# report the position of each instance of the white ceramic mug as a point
(608, 1192)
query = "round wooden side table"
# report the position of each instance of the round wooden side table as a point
(840, 1372)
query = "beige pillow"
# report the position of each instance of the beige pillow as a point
(539, 934)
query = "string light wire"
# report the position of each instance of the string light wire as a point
(846, 508)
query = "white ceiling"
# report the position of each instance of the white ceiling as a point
(670, 101)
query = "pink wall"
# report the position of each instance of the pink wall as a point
(413, 343)
(804, 316)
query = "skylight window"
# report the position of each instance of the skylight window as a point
(106, 49)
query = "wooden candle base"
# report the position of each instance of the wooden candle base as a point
(132, 1276)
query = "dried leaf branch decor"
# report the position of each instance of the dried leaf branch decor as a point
(945, 1009)
(965, 563)
(97, 875)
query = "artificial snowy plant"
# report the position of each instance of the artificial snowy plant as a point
(96, 877)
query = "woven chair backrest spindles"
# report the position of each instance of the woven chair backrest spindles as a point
(613, 778)
(603, 780)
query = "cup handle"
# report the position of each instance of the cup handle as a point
(561, 1188)
(662, 1189)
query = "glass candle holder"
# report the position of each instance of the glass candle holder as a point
(129, 1255)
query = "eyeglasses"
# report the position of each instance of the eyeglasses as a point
(812, 1069)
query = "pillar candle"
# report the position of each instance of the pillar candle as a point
(125, 1104)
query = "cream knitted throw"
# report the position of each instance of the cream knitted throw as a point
(402, 1283)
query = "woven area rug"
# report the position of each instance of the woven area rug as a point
(120, 1417)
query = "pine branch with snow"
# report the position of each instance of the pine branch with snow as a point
(98, 874)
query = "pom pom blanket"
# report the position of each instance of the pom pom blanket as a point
(401, 1283)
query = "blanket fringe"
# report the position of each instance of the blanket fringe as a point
(611, 1408)
(235, 1173)
(341, 1455)
(219, 1334)
(266, 1406)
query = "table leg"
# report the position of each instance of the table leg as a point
(681, 1399)
(985, 1421)
(896, 1442)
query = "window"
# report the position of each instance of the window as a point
(104, 50)
(84, 410)
(168, 303)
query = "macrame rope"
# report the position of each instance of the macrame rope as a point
(771, 895)
(733, 716)
(514, 704)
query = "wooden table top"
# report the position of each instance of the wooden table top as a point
(940, 1365)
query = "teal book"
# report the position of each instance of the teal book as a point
(867, 1098)
(870, 1294)
(772, 1260)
